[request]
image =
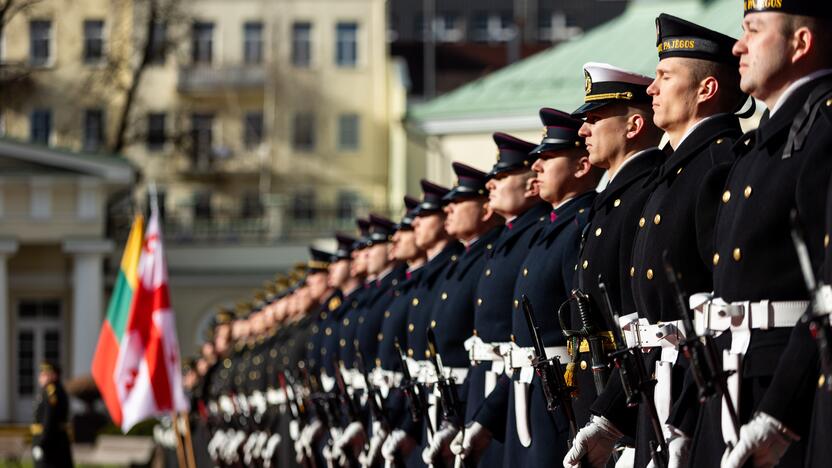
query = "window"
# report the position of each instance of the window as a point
(158, 43)
(202, 128)
(253, 43)
(252, 206)
(253, 129)
(302, 44)
(303, 132)
(38, 339)
(41, 126)
(93, 129)
(346, 45)
(420, 27)
(93, 41)
(449, 27)
(479, 26)
(349, 132)
(345, 208)
(202, 205)
(303, 205)
(156, 134)
(40, 45)
(202, 45)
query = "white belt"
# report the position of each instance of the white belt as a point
(480, 351)
(384, 378)
(639, 332)
(518, 358)
(356, 379)
(715, 314)
(427, 373)
(823, 300)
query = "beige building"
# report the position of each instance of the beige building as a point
(263, 124)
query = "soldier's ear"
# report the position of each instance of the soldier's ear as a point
(708, 88)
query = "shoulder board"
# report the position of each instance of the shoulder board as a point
(50, 389)
(820, 98)
(334, 303)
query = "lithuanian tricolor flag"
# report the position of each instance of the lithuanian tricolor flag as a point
(118, 311)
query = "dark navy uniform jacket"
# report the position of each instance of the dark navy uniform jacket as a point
(754, 259)
(313, 348)
(372, 314)
(546, 278)
(52, 416)
(337, 330)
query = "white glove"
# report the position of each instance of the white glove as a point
(368, 458)
(432, 454)
(248, 447)
(37, 452)
(353, 435)
(595, 441)
(475, 438)
(392, 444)
(271, 447)
(678, 448)
(764, 440)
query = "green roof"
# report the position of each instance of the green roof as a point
(554, 77)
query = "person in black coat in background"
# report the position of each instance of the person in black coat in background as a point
(513, 195)
(50, 440)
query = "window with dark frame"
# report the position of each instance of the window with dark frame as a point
(349, 132)
(40, 42)
(93, 41)
(346, 44)
(158, 43)
(202, 134)
(302, 44)
(253, 42)
(303, 131)
(252, 129)
(93, 130)
(303, 205)
(202, 43)
(156, 132)
(40, 129)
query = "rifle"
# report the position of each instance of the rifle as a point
(415, 397)
(452, 409)
(550, 370)
(588, 331)
(701, 351)
(638, 387)
(353, 412)
(374, 399)
(820, 298)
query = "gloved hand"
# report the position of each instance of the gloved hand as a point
(270, 448)
(434, 452)
(37, 453)
(472, 441)
(398, 440)
(352, 436)
(368, 458)
(678, 448)
(763, 439)
(595, 441)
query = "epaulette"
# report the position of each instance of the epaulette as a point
(820, 97)
(52, 394)
(334, 303)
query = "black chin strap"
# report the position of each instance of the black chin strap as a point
(748, 112)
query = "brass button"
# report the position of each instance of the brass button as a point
(488, 272)
(822, 378)
(719, 142)
(361, 320)
(411, 327)
(323, 350)
(378, 362)
(328, 331)
(585, 264)
(346, 322)
(489, 246)
(323, 316)
(409, 352)
(453, 258)
(583, 365)
(649, 274)
(829, 103)
(678, 171)
(737, 254)
(380, 336)
(617, 202)
(581, 211)
(598, 232)
(414, 302)
(657, 219)
(479, 301)
(642, 222)
(433, 323)
(632, 271)
(427, 354)
(525, 272)
(747, 191)
(315, 329)
(826, 241)
(444, 296)
(726, 195)
(386, 314)
(516, 303)
(716, 259)
(342, 342)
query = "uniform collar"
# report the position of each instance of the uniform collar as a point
(642, 162)
(704, 133)
(795, 86)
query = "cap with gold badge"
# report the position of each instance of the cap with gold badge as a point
(605, 84)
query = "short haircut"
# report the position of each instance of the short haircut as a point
(821, 29)
(730, 97)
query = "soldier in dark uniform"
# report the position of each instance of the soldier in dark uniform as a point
(50, 439)
(785, 62)
(387, 374)
(470, 219)
(511, 194)
(441, 250)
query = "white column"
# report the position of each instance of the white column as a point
(87, 299)
(7, 248)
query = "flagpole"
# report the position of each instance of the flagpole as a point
(189, 445)
(154, 197)
(180, 453)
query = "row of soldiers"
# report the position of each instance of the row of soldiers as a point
(591, 299)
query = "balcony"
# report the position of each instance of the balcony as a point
(209, 79)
